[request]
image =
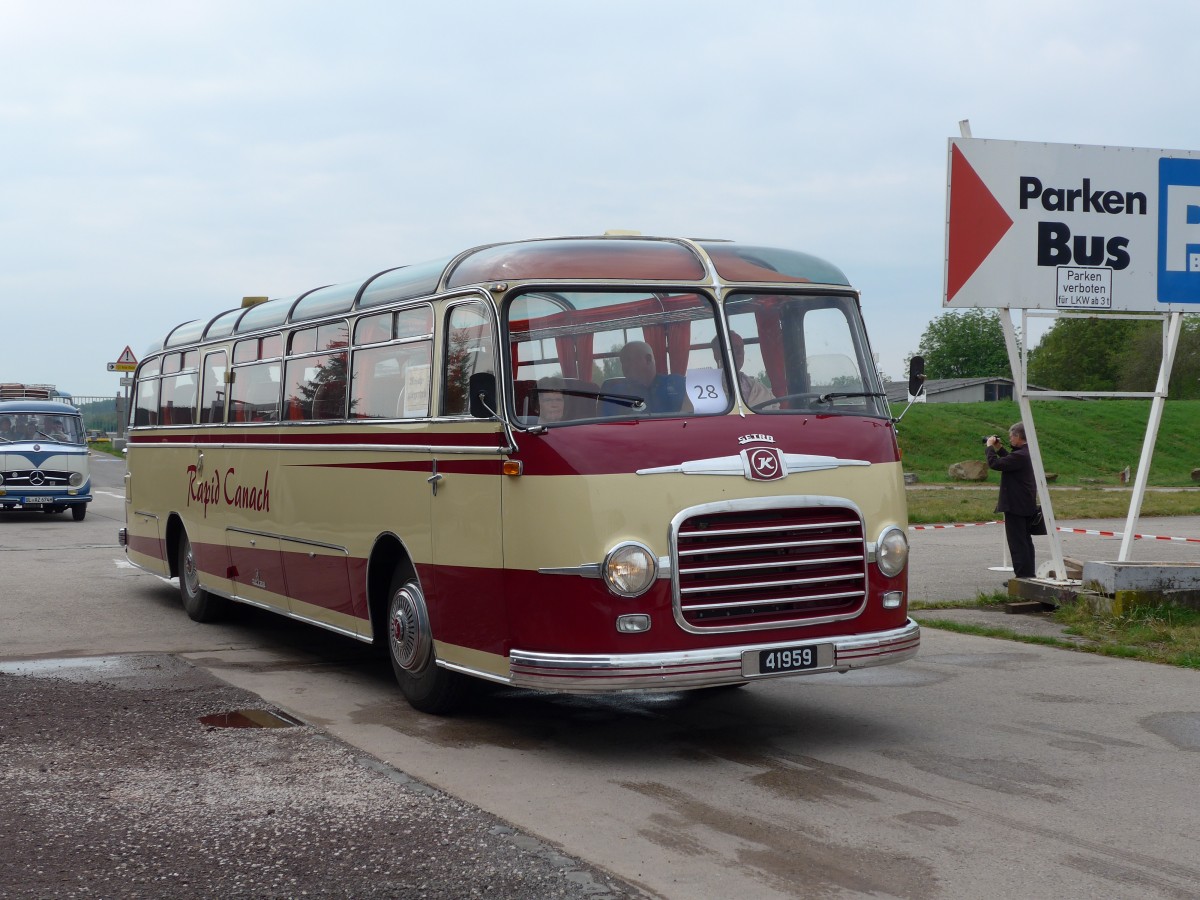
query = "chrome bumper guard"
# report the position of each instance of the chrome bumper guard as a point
(590, 674)
(123, 537)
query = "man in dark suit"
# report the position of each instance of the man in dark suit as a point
(1018, 496)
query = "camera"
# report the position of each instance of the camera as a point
(986, 439)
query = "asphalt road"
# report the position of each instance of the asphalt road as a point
(980, 769)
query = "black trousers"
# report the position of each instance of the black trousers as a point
(1020, 544)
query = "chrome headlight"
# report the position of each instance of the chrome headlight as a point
(1, 479)
(891, 551)
(630, 569)
(76, 479)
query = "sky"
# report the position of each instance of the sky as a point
(159, 161)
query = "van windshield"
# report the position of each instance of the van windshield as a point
(583, 356)
(54, 427)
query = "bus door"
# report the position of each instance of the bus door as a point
(465, 595)
(243, 478)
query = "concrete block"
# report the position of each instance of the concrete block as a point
(1148, 577)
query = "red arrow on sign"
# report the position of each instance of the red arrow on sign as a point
(977, 223)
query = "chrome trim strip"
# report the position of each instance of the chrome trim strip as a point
(291, 540)
(755, 585)
(735, 465)
(596, 570)
(366, 639)
(358, 448)
(594, 673)
(807, 598)
(288, 614)
(587, 570)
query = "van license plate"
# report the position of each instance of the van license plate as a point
(38, 501)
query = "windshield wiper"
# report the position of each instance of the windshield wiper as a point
(838, 395)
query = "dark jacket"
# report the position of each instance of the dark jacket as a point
(1018, 489)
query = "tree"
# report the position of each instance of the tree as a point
(966, 344)
(1115, 355)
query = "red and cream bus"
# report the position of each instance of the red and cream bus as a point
(530, 463)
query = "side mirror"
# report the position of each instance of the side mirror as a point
(916, 376)
(482, 389)
(916, 384)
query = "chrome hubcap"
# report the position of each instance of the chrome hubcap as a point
(408, 628)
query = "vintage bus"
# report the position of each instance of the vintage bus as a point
(576, 464)
(44, 464)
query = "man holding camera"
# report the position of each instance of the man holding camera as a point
(1018, 496)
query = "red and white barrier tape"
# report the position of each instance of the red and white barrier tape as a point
(959, 525)
(1138, 537)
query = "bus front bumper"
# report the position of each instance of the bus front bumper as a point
(598, 673)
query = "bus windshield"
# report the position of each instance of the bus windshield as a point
(54, 427)
(583, 356)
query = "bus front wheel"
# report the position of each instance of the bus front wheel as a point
(78, 511)
(427, 687)
(199, 604)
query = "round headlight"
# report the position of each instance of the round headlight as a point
(1, 479)
(76, 479)
(891, 552)
(630, 569)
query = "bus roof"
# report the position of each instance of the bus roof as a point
(30, 407)
(574, 259)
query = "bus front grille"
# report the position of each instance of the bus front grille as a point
(25, 478)
(770, 567)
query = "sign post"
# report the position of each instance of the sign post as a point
(126, 362)
(1074, 230)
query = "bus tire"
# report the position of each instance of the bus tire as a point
(78, 511)
(425, 685)
(199, 604)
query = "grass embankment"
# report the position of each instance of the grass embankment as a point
(1082, 441)
(1085, 444)
(1162, 634)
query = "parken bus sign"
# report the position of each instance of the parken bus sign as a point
(1070, 227)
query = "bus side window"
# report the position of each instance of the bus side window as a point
(212, 398)
(145, 412)
(255, 393)
(468, 352)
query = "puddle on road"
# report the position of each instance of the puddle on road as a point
(88, 668)
(250, 718)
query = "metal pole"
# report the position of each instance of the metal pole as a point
(1172, 326)
(1016, 359)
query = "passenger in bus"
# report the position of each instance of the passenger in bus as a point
(640, 378)
(56, 429)
(552, 403)
(753, 391)
(6, 429)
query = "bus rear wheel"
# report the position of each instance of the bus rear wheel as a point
(199, 604)
(426, 685)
